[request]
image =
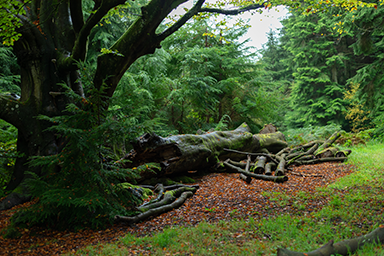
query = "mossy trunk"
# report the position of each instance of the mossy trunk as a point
(183, 153)
(346, 247)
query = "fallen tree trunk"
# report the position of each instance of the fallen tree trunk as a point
(269, 167)
(183, 153)
(260, 165)
(344, 248)
(328, 142)
(280, 170)
(320, 160)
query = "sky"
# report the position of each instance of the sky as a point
(260, 24)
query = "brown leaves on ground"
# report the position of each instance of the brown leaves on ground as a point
(220, 197)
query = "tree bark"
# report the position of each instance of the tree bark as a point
(344, 248)
(156, 211)
(328, 142)
(278, 179)
(269, 168)
(183, 153)
(260, 165)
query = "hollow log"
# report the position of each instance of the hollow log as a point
(344, 248)
(183, 153)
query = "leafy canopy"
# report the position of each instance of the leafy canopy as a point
(12, 12)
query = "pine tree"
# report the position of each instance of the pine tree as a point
(320, 71)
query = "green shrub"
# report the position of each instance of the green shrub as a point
(79, 184)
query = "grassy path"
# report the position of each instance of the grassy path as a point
(349, 207)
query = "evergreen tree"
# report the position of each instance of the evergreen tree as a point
(366, 91)
(320, 63)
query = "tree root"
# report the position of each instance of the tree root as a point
(344, 248)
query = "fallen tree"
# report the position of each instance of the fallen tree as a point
(344, 248)
(183, 153)
(310, 153)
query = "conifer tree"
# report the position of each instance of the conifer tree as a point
(320, 63)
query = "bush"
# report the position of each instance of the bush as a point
(80, 185)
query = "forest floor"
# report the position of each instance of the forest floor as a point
(221, 196)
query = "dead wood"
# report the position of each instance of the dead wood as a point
(240, 164)
(305, 174)
(159, 189)
(260, 165)
(269, 156)
(280, 170)
(327, 152)
(245, 178)
(320, 160)
(189, 152)
(344, 248)
(269, 167)
(343, 153)
(328, 142)
(168, 198)
(268, 128)
(284, 150)
(155, 211)
(248, 162)
(307, 145)
(278, 179)
(298, 156)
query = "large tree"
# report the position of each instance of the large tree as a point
(50, 39)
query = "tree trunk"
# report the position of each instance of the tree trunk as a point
(278, 179)
(346, 247)
(183, 153)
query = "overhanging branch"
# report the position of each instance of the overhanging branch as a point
(195, 10)
(80, 48)
(233, 11)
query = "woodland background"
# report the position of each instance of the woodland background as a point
(322, 72)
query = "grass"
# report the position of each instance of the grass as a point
(355, 207)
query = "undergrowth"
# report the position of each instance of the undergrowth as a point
(354, 208)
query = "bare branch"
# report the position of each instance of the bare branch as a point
(195, 10)
(233, 11)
